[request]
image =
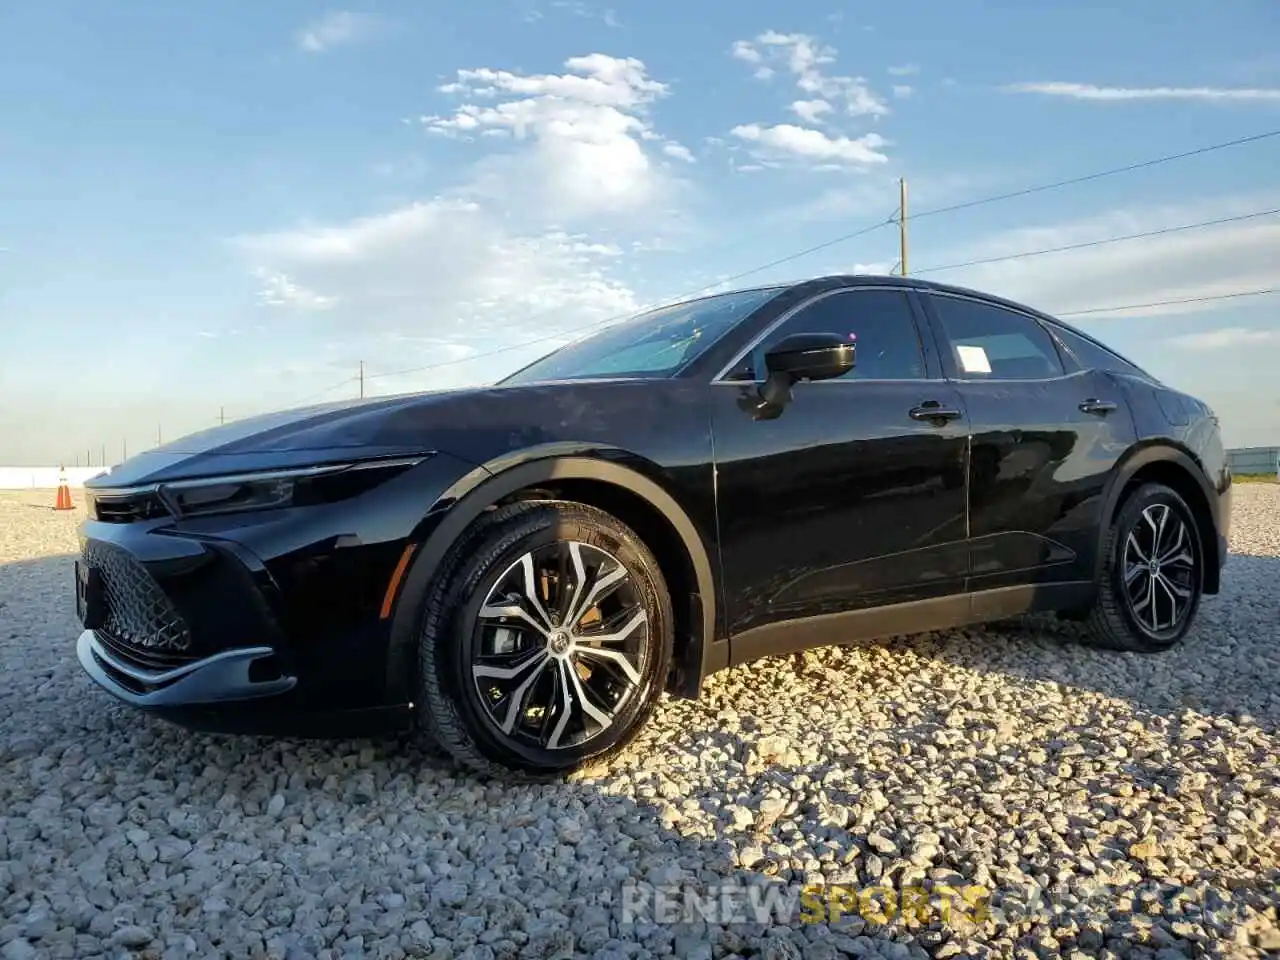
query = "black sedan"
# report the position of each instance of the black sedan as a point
(519, 571)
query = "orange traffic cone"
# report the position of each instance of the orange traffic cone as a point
(64, 491)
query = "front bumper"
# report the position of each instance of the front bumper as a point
(239, 674)
(271, 616)
(232, 622)
(234, 692)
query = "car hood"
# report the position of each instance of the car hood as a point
(324, 433)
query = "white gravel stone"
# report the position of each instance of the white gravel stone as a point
(1010, 756)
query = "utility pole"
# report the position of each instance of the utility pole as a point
(88, 457)
(77, 460)
(157, 434)
(361, 379)
(222, 415)
(104, 454)
(124, 450)
(902, 224)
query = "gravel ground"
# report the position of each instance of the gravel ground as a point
(1010, 757)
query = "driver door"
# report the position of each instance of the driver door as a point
(854, 496)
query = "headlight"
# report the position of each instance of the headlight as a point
(270, 489)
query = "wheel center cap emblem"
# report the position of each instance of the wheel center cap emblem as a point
(559, 642)
(1153, 567)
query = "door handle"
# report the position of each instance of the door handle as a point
(934, 412)
(1097, 406)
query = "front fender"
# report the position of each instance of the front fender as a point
(473, 493)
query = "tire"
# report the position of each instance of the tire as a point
(1122, 617)
(484, 677)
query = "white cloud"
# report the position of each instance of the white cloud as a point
(805, 59)
(828, 97)
(874, 195)
(1185, 265)
(904, 70)
(1086, 91)
(409, 168)
(1225, 337)
(579, 8)
(901, 91)
(743, 50)
(445, 274)
(587, 129)
(785, 140)
(527, 244)
(810, 111)
(678, 150)
(336, 29)
(280, 291)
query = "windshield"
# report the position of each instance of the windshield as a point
(654, 344)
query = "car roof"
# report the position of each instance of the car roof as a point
(838, 280)
(915, 283)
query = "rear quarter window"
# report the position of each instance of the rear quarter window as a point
(1093, 355)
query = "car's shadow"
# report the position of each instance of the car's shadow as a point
(1219, 670)
(223, 838)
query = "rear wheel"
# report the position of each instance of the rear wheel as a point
(1153, 571)
(546, 640)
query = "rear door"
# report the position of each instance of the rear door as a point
(853, 496)
(1045, 436)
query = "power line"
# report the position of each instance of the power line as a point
(1110, 308)
(1074, 313)
(329, 389)
(964, 205)
(1105, 309)
(1086, 178)
(1103, 241)
(656, 305)
(1171, 303)
(851, 235)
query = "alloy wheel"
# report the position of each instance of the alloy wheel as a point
(1159, 570)
(561, 644)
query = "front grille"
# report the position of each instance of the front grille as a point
(138, 614)
(129, 508)
(141, 657)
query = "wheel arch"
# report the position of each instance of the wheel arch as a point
(1179, 470)
(584, 476)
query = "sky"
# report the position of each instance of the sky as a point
(209, 211)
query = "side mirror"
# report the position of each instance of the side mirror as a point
(810, 356)
(801, 356)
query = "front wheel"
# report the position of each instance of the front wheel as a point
(546, 640)
(1153, 571)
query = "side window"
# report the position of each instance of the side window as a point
(879, 322)
(1094, 355)
(989, 342)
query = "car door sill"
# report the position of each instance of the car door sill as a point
(916, 616)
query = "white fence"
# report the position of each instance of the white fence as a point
(43, 478)
(1255, 460)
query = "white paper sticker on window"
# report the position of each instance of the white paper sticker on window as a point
(973, 359)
